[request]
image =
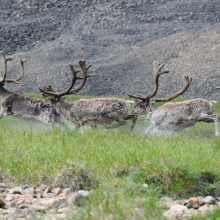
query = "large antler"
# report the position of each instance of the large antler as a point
(188, 82)
(82, 65)
(48, 91)
(157, 72)
(5, 60)
(22, 61)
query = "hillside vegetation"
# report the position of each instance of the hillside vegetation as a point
(179, 165)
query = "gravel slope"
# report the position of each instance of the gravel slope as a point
(120, 39)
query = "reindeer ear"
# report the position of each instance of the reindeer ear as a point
(64, 97)
(152, 102)
(137, 102)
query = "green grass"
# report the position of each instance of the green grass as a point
(179, 165)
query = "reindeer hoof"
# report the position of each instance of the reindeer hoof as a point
(217, 135)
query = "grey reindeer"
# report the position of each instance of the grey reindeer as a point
(21, 106)
(99, 111)
(173, 116)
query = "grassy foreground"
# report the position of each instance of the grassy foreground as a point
(179, 165)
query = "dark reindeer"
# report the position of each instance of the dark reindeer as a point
(100, 111)
(21, 106)
(173, 116)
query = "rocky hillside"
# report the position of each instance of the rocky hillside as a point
(119, 38)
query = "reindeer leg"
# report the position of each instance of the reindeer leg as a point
(211, 118)
(134, 118)
(120, 121)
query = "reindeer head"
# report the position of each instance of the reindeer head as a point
(145, 105)
(3, 79)
(58, 98)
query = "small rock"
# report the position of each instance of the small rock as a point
(48, 195)
(42, 187)
(83, 193)
(73, 197)
(52, 202)
(178, 208)
(166, 199)
(48, 190)
(28, 193)
(3, 185)
(58, 191)
(165, 205)
(209, 200)
(145, 186)
(66, 192)
(16, 190)
(65, 209)
(39, 195)
(205, 208)
(201, 200)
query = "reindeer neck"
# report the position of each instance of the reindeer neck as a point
(150, 110)
(63, 107)
(3, 92)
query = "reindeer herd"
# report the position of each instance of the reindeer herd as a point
(104, 111)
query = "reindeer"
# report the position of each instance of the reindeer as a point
(21, 106)
(173, 116)
(99, 111)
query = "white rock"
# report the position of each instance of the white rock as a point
(83, 193)
(49, 202)
(28, 193)
(205, 208)
(66, 191)
(209, 200)
(201, 200)
(178, 208)
(16, 190)
(145, 186)
(73, 197)
(166, 199)
(165, 205)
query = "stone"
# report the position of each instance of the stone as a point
(178, 208)
(65, 209)
(39, 195)
(83, 193)
(209, 200)
(29, 193)
(145, 186)
(166, 199)
(50, 202)
(66, 192)
(165, 205)
(57, 190)
(3, 185)
(201, 200)
(48, 195)
(42, 187)
(16, 190)
(73, 197)
(47, 190)
(205, 208)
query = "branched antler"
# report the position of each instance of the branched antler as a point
(188, 82)
(48, 91)
(5, 60)
(157, 73)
